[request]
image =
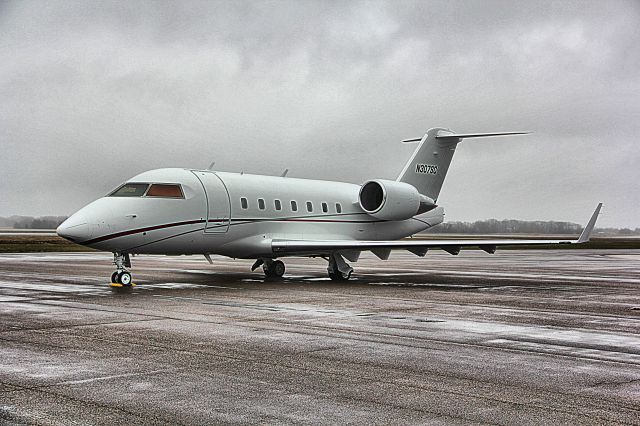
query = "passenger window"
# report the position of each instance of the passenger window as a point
(165, 191)
(277, 204)
(325, 208)
(260, 203)
(294, 206)
(309, 206)
(338, 208)
(130, 190)
(244, 203)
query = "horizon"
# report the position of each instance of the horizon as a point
(435, 228)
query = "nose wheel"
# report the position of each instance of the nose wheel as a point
(121, 277)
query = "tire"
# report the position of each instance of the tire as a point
(277, 268)
(124, 278)
(268, 272)
(339, 276)
(114, 277)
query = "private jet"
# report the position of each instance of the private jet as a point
(177, 211)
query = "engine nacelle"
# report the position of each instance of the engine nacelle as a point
(391, 200)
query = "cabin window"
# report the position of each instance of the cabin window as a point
(338, 208)
(244, 203)
(294, 206)
(309, 206)
(277, 204)
(260, 203)
(325, 208)
(165, 191)
(130, 190)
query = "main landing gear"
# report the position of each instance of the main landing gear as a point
(121, 277)
(338, 269)
(272, 268)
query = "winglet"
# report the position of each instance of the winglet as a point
(586, 233)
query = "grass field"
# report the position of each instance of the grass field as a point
(53, 243)
(37, 243)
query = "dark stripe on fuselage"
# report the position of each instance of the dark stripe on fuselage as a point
(137, 231)
(240, 221)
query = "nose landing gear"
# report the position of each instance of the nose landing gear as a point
(121, 277)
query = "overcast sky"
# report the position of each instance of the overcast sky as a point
(92, 93)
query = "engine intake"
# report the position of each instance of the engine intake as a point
(391, 200)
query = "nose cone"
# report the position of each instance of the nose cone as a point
(75, 228)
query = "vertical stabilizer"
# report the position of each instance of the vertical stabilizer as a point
(429, 163)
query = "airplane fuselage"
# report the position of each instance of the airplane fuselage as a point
(231, 214)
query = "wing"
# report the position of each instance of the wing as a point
(381, 249)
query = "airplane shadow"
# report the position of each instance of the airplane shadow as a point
(247, 280)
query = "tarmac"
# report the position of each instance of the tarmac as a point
(518, 337)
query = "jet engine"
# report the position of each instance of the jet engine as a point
(391, 200)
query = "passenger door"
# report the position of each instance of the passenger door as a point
(218, 205)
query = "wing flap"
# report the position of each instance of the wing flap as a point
(283, 247)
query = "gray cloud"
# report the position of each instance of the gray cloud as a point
(92, 93)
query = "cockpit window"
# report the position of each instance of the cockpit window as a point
(165, 190)
(130, 190)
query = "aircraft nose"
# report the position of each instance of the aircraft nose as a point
(75, 228)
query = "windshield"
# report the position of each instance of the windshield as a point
(165, 190)
(130, 190)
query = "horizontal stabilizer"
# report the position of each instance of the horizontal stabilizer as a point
(443, 134)
(476, 135)
(412, 140)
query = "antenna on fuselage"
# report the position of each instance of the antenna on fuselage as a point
(284, 173)
(211, 166)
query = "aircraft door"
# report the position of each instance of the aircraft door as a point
(218, 205)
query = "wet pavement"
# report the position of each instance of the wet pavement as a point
(519, 337)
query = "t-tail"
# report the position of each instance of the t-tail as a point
(429, 163)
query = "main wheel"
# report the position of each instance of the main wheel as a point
(274, 270)
(278, 268)
(124, 278)
(114, 277)
(339, 276)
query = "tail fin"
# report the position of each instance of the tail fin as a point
(429, 163)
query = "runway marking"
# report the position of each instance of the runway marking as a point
(114, 376)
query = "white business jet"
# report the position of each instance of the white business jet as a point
(187, 211)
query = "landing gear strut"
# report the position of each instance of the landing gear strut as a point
(121, 276)
(272, 268)
(338, 269)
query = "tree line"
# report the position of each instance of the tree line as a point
(511, 226)
(30, 222)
